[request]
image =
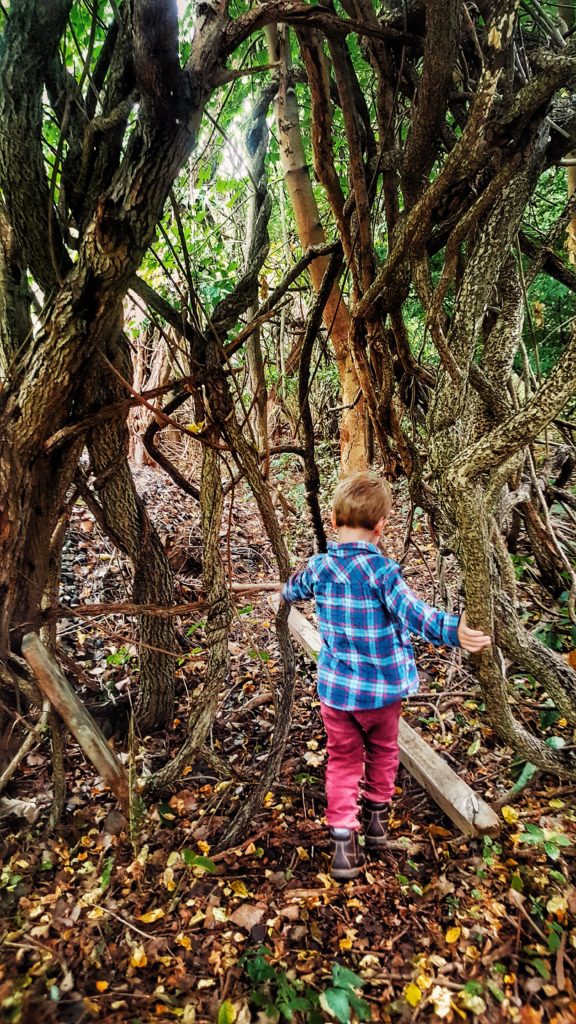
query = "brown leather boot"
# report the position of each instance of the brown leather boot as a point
(375, 820)
(348, 858)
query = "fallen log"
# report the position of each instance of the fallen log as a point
(469, 812)
(57, 689)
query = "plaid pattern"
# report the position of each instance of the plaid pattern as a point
(365, 611)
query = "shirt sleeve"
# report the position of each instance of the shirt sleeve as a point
(437, 627)
(300, 586)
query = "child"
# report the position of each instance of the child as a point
(366, 663)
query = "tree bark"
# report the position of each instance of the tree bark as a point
(127, 523)
(310, 232)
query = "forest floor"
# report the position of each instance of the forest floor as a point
(119, 922)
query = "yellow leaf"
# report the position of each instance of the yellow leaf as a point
(472, 953)
(219, 915)
(139, 958)
(510, 814)
(423, 982)
(557, 905)
(183, 940)
(452, 935)
(412, 994)
(227, 1013)
(345, 944)
(168, 879)
(95, 913)
(91, 1006)
(240, 889)
(439, 830)
(151, 915)
(102, 985)
(204, 847)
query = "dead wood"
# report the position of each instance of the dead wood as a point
(63, 699)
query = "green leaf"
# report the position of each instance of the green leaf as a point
(525, 775)
(554, 937)
(561, 840)
(542, 968)
(106, 873)
(196, 860)
(475, 988)
(166, 814)
(344, 978)
(495, 991)
(335, 1002)
(557, 876)
(552, 849)
(360, 1007)
(226, 1013)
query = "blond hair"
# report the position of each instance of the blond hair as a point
(361, 500)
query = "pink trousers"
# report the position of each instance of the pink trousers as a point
(362, 745)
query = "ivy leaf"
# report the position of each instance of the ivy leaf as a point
(335, 1002)
(344, 978)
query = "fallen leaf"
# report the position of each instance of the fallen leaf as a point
(441, 1000)
(151, 915)
(510, 814)
(240, 889)
(246, 916)
(412, 994)
(138, 958)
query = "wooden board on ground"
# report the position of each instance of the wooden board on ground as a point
(467, 810)
(57, 689)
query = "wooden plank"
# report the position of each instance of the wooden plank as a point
(469, 812)
(57, 689)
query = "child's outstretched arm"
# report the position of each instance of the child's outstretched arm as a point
(300, 586)
(436, 626)
(472, 640)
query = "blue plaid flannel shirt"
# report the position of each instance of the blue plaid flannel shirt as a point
(365, 610)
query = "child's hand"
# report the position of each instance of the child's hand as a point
(473, 640)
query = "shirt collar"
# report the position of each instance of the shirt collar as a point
(350, 546)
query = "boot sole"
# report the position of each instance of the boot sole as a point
(346, 874)
(376, 842)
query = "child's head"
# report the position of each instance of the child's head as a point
(360, 501)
